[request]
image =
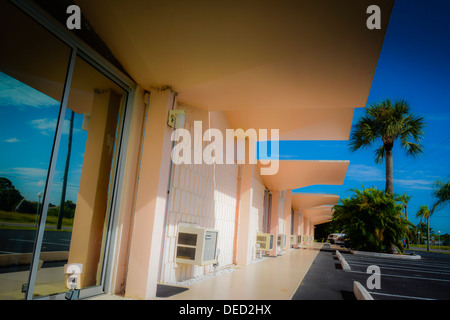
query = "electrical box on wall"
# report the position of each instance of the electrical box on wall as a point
(196, 245)
(265, 241)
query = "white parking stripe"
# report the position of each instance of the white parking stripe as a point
(393, 263)
(398, 295)
(402, 268)
(408, 263)
(400, 276)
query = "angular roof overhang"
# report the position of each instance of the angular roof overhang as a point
(293, 174)
(246, 55)
(317, 222)
(320, 214)
(311, 200)
(297, 124)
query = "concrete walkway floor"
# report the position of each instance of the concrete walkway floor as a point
(274, 278)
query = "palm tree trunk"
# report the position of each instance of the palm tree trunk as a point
(389, 178)
(428, 233)
(389, 169)
(406, 216)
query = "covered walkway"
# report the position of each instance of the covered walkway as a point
(272, 278)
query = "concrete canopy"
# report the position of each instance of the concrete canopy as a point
(310, 200)
(320, 214)
(297, 124)
(246, 55)
(293, 174)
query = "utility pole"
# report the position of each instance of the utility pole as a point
(66, 171)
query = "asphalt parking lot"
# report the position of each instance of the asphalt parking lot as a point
(427, 278)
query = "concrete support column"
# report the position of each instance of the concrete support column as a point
(307, 229)
(296, 224)
(301, 226)
(244, 223)
(273, 228)
(287, 218)
(151, 198)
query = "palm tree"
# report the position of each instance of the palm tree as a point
(388, 121)
(424, 213)
(442, 195)
(404, 199)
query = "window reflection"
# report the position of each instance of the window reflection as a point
(33, 66)
(33, 69)
(81, 186)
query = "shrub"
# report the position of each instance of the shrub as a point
(372, 220)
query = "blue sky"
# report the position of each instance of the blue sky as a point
(414, 64)
(28, 121)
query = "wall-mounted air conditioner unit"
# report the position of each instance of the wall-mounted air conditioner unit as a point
(281, 240)
(265, 241)
(294, 240)
(196, 245)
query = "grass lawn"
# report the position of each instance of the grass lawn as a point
(27, 218)
(434, 247)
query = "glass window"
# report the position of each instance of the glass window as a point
(82, 186)
(33, 67)
(33, 71)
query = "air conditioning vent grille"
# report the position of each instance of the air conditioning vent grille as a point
(260, 238)
(265, 241)
(196, 245)
(187, 239)
(186, 253)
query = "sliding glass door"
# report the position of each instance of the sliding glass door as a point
(60, 124)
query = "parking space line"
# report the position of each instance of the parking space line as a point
(402, 268)
(408, 263)
(44, 242)
(400, 276)
(399, 296)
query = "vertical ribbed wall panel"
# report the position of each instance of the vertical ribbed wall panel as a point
(205, 195)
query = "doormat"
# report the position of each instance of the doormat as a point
(165, 291)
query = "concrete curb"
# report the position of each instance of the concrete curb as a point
(344, 263)
(360, 292)
(385, 255)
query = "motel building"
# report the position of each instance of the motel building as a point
(108, 129)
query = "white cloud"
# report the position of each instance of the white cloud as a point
(48, 126)
(32, 176)
(12, 140)
(30, 172)
(414, 184)
(362, 172)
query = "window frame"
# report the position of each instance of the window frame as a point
(84, 51)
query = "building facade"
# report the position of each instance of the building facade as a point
(126, 137)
